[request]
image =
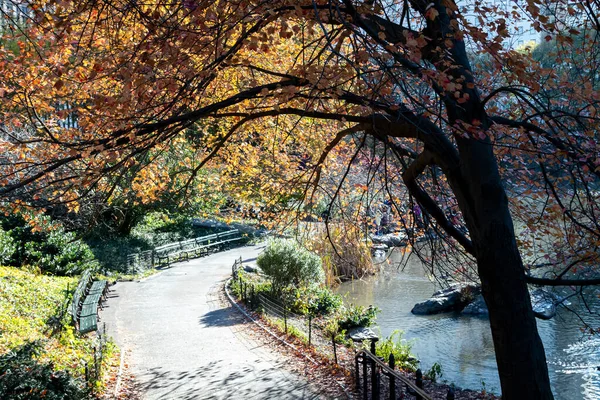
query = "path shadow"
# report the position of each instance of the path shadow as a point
(219, 317)
(222, 380)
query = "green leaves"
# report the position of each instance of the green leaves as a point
(288, 264)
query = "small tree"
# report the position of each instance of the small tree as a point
(287, 264)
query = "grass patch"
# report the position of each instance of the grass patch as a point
(32, 310)
(291, 329)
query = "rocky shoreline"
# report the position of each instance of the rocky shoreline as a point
(466, 298)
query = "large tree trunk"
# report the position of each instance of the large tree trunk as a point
(519, 351)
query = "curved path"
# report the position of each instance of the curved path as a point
(183, 343)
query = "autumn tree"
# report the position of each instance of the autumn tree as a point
(281, 96)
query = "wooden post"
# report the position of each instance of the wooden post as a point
(419, 382)
(334, 348)
(309, 329)
(392, 365)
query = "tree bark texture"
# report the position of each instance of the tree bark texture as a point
(519, 351)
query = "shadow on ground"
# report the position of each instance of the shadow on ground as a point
(219, 317)
(219, 380)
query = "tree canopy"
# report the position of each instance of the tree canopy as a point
(432, 101)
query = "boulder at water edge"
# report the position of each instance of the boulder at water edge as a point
(453, 298)
(476, 307)
(543, 303)
(391, 239)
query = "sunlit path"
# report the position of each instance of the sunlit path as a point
(183, 343)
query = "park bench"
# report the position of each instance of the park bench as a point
(79, 295)
(168, 253)
(84, 306)
(197, 247)
(204, 244)
(88, 316)
(226, 239)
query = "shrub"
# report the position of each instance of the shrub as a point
(22, 376)
(288, 264)
(357, 317)
(314, 299)
(49, 247)
(7, 247)
(400, 348)
(60, 254)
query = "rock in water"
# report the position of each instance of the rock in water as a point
(543, 303)
(360, 334)
(477, 307)
(455, 297)
(391, 239)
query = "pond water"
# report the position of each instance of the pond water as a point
(463, 344)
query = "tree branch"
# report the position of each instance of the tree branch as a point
(409, 177)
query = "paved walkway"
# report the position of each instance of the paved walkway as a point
(183, 344)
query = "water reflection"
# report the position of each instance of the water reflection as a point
(463, 344)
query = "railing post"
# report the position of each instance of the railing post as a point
(357, 371)
(419, 382)
(392, 365)
(374, 386)
(365, 383)
(334, 348)
(285, 317)
(450, 395)
(309, 329)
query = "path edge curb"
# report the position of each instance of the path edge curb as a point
(270, 332)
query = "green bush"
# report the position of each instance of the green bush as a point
(400, 348)
(357, 317)
(60, 254)
(317, 300)
(50, 248)
(22, 376)
(7, 247)
(288, 264)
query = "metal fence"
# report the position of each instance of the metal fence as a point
(374, 378)
(93, 368)
(274, 308)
